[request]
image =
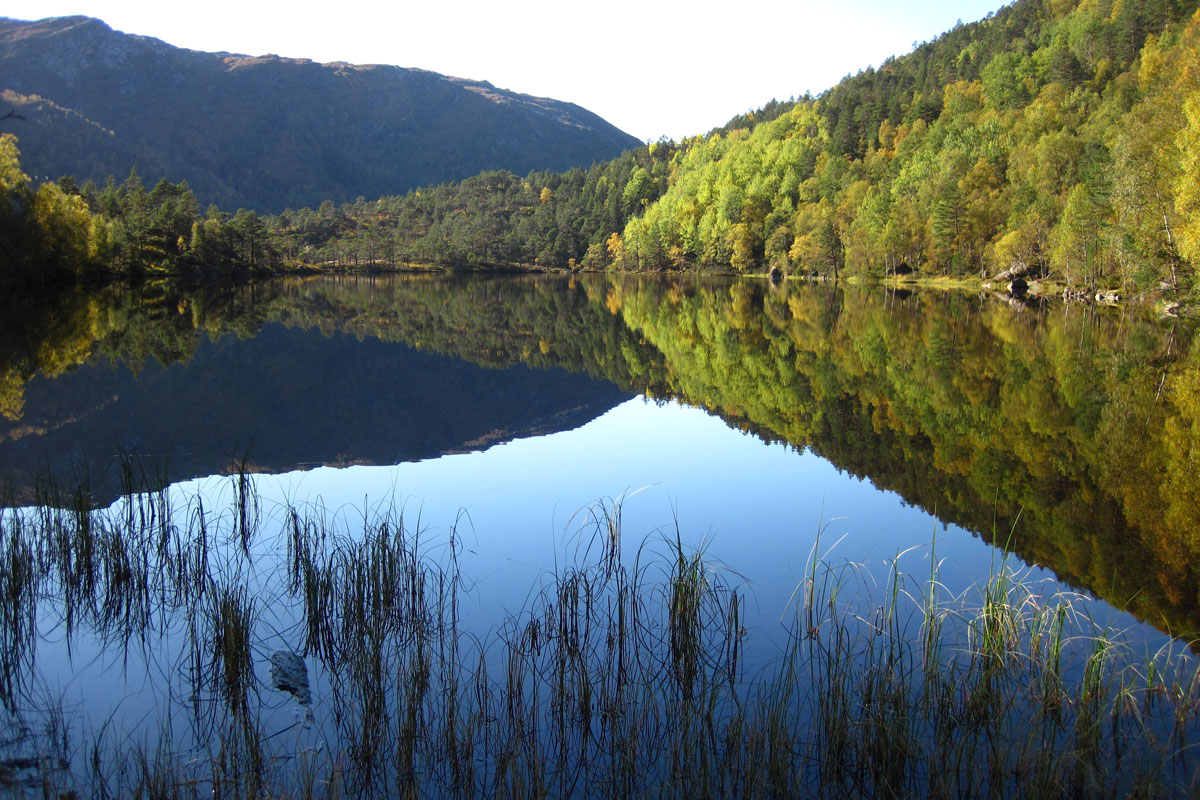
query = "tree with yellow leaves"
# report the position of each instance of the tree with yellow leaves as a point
(1187, 184)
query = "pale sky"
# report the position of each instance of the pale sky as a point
(650, 68)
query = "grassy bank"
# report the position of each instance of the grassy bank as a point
(629, 672)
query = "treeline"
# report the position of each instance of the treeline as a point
(1059, 137)
(61, 232)
(495, 219)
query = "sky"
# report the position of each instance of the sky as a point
(652, 69)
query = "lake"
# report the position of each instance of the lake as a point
(476, 441)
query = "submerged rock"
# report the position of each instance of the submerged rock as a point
(289, 674)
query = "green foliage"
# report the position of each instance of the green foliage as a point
(47, 235)
(495, 219)
(1055, 135)
(62, 232)
(1025, 160)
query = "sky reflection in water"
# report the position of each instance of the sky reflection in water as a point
(521, 507)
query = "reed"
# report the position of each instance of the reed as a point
(18, 596)
(629, 671)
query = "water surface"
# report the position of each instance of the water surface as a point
(744, 420)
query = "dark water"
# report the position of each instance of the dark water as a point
(743, 419)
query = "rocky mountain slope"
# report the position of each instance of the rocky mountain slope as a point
(267, 132)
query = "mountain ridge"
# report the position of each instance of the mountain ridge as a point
(268, 131)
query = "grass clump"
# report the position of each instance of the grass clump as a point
(629, 671)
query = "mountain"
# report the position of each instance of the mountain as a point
(267, 132)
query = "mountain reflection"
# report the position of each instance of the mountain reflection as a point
(182, 403)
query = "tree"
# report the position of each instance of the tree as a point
(1187, 185)
(14, 191)
(1147, 169)
(65, 227)
(1078, 237)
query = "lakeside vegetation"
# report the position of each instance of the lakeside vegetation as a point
(1053, 140)
(629, 670)
(60, 233)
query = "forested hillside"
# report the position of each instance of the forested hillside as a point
(1061, 137)
(1047, 136)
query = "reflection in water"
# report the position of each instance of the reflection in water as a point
(1066, 435)
(278, 397)
(1082, 426)
(286, 399)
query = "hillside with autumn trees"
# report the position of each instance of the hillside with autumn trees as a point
(1041, 136)
(1059, 138)
(1063, 137)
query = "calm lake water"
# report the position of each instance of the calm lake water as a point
(499, 416)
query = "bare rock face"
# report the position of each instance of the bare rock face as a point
(266, 132)
(289, 674)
